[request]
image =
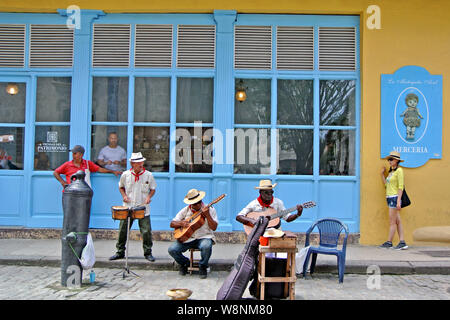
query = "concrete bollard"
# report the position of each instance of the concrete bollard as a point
(76, 199)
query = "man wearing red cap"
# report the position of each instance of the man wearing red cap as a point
(78, 163)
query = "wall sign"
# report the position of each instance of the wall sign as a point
(411, 115)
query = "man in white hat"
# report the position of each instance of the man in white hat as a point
(137, 187)
(202, 239)
(265, 201)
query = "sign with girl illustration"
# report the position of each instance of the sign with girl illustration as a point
(411, 115)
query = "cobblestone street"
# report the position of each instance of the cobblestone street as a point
(43, 283)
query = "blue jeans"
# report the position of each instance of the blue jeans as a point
(205, 245)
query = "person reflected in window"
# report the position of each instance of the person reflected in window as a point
(112, 156)
(4, 158)
(41, 160)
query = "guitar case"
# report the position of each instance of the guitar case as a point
(235, 284)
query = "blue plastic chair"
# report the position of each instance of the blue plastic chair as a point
(329, 231)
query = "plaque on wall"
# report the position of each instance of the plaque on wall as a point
(411, 115)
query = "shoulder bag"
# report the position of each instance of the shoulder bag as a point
(405, 199)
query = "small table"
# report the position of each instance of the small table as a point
(289, 279)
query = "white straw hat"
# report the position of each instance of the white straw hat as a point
(265, 185)
(137, 157)
(194, 196)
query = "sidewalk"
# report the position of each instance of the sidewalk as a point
(47, 252)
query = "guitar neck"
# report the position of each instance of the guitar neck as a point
(196, 214)
(282, 212)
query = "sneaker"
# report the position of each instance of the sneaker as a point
(386, 245)
(149, 257)
(401, 246)
(117, 256)
(203, 272)
(183, 270)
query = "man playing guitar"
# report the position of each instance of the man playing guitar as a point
(266, 201)
(202, 238)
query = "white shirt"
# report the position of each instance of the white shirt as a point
(112, 154)
(204, 231)
(137, 191)
(254, 206)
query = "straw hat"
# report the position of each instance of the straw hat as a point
(394, 155)
(266, 185)
(179, 294)
(273, 233)
(194, 196)
(137, 157)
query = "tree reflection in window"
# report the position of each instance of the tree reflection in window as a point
(337, 102)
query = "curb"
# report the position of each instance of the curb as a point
(352, 267)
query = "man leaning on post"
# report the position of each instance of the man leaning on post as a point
(78, 163)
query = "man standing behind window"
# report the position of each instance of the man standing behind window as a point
(112, 156)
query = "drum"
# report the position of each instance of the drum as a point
(138, 212)
(119, 212)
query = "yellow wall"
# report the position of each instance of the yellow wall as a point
(413, 32)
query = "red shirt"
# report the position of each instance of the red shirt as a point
(69, 168)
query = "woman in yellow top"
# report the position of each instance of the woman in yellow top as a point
(394, 183)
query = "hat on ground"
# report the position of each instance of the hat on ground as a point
(194, 196)
(273, 233)
(394, 155)
(265, 185)
(137, 157)
(77, 149)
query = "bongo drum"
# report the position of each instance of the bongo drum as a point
(138, 212)
(119, 212)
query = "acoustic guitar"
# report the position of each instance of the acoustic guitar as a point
(195, 222)
(274, 215)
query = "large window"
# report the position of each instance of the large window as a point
(109, 116)
(252, 128)
(295, 143)
(52, 130)
(295, 127)
(12, 122)
(194, 115)
(337, 133)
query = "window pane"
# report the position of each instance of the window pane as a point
(256, 108)
(12, 107)
(337, 102)
(252, 151)
(295, 152)
(108, 147)
(53, 99)
(51, 147)
(195, 98)
(152, 100)
(110, 99)
(153, 142)
(193, 150)
(337, 152)
(295, 102)
(11, 148)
